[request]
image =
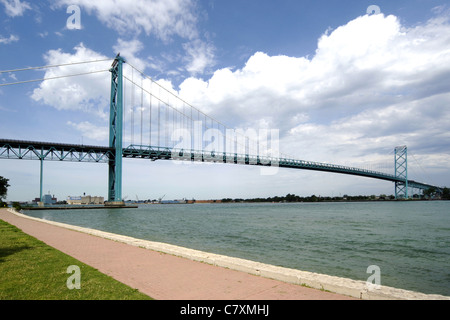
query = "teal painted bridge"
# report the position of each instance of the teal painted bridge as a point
(34, 150)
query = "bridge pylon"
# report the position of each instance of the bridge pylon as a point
(116, 132)
(401, 172)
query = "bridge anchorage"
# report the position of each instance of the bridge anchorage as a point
(164, 117)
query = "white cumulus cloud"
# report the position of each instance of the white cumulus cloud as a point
(15, 8)
(199, 56)
(130, 50)
(162, 18)
(91, 131)
(12, 38)
(88, 93)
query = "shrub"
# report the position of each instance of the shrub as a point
(17, 206)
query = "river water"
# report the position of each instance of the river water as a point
(408, 241)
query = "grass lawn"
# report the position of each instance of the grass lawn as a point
(31, 270)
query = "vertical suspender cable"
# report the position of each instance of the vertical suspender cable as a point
(159, 120)
(166, 111)
(173, 123)
(132, 106)
(192, 131)
(124, 104)
(150, 117)
(142, 107)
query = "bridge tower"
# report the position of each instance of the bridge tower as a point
(401, 172)
(116, 132)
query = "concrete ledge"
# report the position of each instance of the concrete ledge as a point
(349, 287)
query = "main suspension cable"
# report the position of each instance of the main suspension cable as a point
(55, 65)
(52, 78)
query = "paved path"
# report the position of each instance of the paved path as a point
(163, 276)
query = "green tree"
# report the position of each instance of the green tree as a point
(3, 187)
(430, 192)
(446, 193)
(17, 206)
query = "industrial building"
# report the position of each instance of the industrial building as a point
(85, 200)
(46, 199)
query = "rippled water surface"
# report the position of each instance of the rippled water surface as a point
(408, 241)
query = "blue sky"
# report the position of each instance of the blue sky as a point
(341, 86)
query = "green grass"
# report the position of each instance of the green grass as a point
(31, 270)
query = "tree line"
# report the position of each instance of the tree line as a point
(428, 194)
(3, 190)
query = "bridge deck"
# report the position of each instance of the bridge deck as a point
(33, 150)
(158, 153)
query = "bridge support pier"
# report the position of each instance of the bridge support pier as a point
(41, 181)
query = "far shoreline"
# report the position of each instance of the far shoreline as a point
(135, 204)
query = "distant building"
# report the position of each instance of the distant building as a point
(46, 199)
(83, 200)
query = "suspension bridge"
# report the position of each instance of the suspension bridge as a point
(163, 126)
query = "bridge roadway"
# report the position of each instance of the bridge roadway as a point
(33, 150)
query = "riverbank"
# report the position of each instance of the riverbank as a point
(76, 207)
(200, 275)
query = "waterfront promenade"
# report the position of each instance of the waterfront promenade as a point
(167, 272)
(162, 276)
